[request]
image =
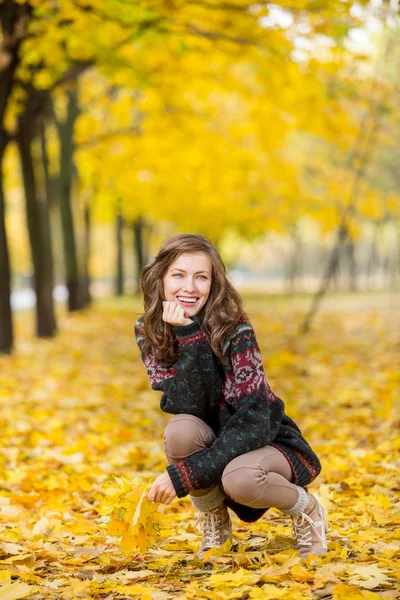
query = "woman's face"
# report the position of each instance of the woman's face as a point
(188, 281)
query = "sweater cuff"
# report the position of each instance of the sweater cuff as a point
(177, 481)
(185, 331)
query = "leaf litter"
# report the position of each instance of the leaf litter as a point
(82, 442)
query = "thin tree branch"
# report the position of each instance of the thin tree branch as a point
(365, 138)
(89, 143)
(216, 35)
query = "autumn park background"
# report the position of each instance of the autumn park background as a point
(271, 128)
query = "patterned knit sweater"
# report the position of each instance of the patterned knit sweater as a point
(235, 400)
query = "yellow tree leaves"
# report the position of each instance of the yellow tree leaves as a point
(132, 516)
(199, 114)
(13, 591)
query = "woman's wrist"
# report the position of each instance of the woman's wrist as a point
(187, 322)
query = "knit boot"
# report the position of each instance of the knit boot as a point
(309, 524)
(216, 523)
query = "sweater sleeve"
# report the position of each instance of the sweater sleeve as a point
(255, 423)
(193, 383)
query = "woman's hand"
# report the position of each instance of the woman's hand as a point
(175, 314)
(162, 490)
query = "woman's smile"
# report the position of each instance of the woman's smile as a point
(188, 281)
(186, 300)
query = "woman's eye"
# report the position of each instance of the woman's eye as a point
(181, 275)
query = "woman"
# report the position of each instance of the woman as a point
(230, 443)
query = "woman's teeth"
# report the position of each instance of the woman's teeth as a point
(187, 300)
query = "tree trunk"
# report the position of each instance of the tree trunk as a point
(86, 295)
(295, 259)
(336, 276)
(119, 275)
(351, 265)
(331, 268)
(38, 229)
(13, 19)
(398, 254)
(43, 187)
(138, 227)
(48, 183)
(66, 131)
(373, 260)
(6, 325)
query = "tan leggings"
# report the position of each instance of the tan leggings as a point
(260, 478)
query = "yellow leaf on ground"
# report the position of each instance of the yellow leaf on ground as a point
(300, 573)
(268, 591)
(232, 579)
(5, 577)
(369, 577)
(272, 570)
(347, 592)
(14, 591)
(221, 551)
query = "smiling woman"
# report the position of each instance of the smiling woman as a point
(188, 281)
(189, 272)
(230, 443)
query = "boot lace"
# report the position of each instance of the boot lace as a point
(302, 529)
(212, 527)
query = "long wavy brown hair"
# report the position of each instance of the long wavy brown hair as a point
(219, 316)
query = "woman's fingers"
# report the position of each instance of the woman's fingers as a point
(166, 499)
(152, 497)
(159, 496)
(167, 315)
(167, 309)
(156, 494)
(176, 311)
(153, 493)
(162, 490)
(173, 313)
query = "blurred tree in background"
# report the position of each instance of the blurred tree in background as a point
(234, 120)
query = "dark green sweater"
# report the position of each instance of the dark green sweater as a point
(234, 400)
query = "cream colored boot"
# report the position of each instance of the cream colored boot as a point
(309, 529)
(216, 527)
(214, 518)
(309, 524)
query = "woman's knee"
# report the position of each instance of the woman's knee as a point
(186, 434)
(243, 484)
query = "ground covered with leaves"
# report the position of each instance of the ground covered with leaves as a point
(79, 421)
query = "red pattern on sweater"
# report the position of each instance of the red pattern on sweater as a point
(250, 414)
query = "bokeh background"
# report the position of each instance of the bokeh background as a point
(273, 129)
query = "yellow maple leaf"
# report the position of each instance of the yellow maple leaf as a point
(115, 527)
(221, 551)
(14, 591)
(241, 576)
(145, 522)
(347, 592)
(133, 517)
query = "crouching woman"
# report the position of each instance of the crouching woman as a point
(230, 443)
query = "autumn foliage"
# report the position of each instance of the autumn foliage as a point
(230, 119)
(82, 439)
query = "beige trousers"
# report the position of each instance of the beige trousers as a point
(260, 478)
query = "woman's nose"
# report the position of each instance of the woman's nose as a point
(189, 285)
